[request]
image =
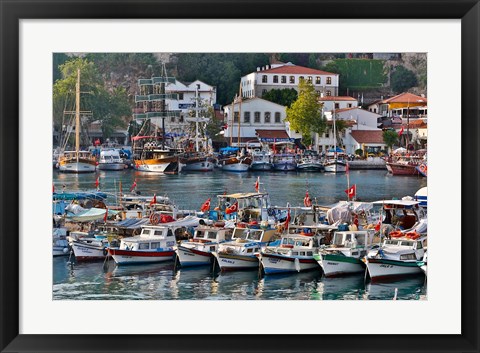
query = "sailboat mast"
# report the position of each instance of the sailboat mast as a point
(196, 119)
(334, 139)
(77, 115)
(239, 114)
(232, 120)
(162, 104)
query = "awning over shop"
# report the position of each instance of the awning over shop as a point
(273, 136)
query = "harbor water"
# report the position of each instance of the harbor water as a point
(106, 281)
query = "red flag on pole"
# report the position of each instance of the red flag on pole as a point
(154, 200)
(400, 132)
(97, 183)
(206, 206)
(306, 200)
(134, 185)
(257, 184)
(106, 215)
(287, 220)
(232, 209)
(351, 192)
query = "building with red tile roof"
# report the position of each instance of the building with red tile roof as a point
(287, 76)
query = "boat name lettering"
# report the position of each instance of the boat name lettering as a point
(387, 266)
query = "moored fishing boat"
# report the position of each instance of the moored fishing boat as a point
(236, 163)
(87, 247)
(154, 244)
(196, 162)
(240, 252)
(198, 250)
(396, 257)
(284, 162)
(110, 160)
(310, 163)
(60, 245)
(261, 160)
(294, 254)
(345, 254)
(335, 161)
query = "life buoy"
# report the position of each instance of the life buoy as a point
(423, 168)
(154, 218)
(396, 234)
(413, 235)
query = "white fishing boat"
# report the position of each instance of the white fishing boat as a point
(345, 254)
(237, 163)
(284, 162)
(198, 250)
(310, 162)
(60, 245)
(261, 160)
(87, 247)
(294, 254)
(240, 252)
(110, 160)
(77, 161)
(154, 244)
(396, 257)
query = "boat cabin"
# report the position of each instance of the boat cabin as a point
(249, 234)
(251, 206)
(354, 240)
(403, 214)
(404, 246)
(211, 234)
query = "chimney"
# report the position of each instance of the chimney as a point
(258, 68)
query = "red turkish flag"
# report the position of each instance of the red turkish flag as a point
(232, 209)
(106, 215)
(351, 192)
(154, 200)
(206, 206)
(306, 200)
(257, 184)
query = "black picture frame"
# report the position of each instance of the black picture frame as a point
(12, 11)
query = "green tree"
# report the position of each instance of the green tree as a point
(107, 106)
(283, 97)
(305, 114)
(390, 137)
(402, 79)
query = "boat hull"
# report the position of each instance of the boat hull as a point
(261, 166)
(337, 265)
(130, 257)
(379, 269)
(232, 262)
(77, 167)
(274, 263)
(60, 250)
(335, 168)
(88, 252)
(236, 167)
(310, 167)
(193, 257)
(200, 166)
(111, 166)
(286, 167)
(402, 169)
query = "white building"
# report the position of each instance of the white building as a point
(337, 102)
(363, 119)
(285, 76)
(186, 102)
(256, 114)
